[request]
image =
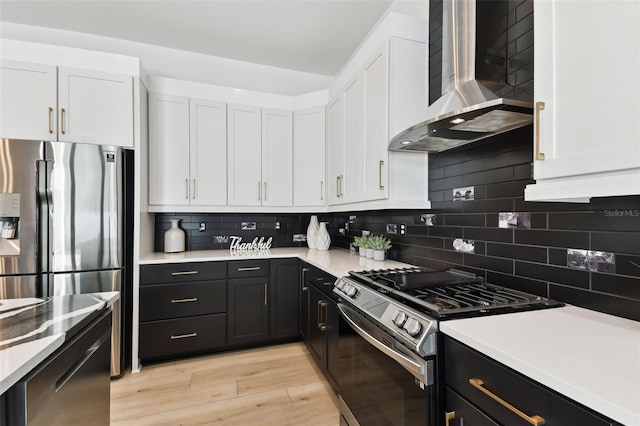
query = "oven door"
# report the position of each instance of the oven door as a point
(381, 381)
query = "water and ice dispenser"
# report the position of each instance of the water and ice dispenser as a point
(9, 224)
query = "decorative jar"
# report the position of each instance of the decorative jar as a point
(174, 238)
(323, 240)
(312, 231)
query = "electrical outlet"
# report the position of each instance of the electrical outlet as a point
(277, 225)
(403, 229)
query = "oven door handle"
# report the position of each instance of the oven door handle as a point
(417, 369)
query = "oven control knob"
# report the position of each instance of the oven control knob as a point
(399, 318)
(413, 327)
(351, 291)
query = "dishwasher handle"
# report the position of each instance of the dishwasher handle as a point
(417, 367)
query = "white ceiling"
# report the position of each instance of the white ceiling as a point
(314, 36)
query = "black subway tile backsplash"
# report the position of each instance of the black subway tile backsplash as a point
(531, 260)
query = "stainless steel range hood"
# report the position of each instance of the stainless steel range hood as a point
(469, 110)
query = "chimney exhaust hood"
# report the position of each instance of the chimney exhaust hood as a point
(469, 110)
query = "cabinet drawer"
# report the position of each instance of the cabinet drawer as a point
(463, 363)
(463, 413)
(161, 339)
(181, 300)
(248, 268)
(320, 279)
(182, 272)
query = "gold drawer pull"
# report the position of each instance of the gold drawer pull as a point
(192, 299)
(184, 273)
(320, 279)
(448, 416)
(539, 107)
(183, 336)
(535, 420)
(253, 268)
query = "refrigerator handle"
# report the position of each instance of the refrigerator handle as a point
(43, 218)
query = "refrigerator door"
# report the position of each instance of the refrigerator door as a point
(86, 207)
(19, 286)
(19, 164)
(94, 282)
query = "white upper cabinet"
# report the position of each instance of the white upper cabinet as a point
(351, 181)
(64, 104)
(260, 159)
(335, 126)
(168, 150)
(28, 101)
(375, 82)
(208, 152)
(244, 155)
(587, 100)
(277, 158)
(309, 143)
(187, 151)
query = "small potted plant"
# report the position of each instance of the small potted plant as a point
(361, 243)
(380, 245)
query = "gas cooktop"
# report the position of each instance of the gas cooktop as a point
(448, 294)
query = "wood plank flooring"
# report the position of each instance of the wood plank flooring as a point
(275, 385)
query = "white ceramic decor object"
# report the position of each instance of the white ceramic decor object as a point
(312, 231)
(370, 253)
(378, 254)
(174, 238)
(323, 240)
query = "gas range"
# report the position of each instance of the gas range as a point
(409, 302)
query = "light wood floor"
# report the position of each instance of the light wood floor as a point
(276, 385)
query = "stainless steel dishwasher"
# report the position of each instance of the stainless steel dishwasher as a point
(72, 387)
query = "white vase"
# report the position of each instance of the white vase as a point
(362, 251)
(323, 240)
(312, 231)
(378, 255)
(174, 238)
(369, 253)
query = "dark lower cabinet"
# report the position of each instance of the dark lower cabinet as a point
(284, 297)
(481, 391)
(323, 321)
(248, 309)
(304, 304)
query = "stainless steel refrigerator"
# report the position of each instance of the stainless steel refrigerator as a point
(61, 222)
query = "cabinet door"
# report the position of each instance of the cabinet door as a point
(336, 150)
(95, 107)
(208, 152)
(248, 310)
(317, 335)
(586, 126)
(304, 304)
(277, 158)
(309, 157)
(28, 101)
(168, 150)
(245, 155)
(332, 320)
(284, 298)
(353, 149)
(375, 78)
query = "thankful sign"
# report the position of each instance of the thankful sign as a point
(257, 244)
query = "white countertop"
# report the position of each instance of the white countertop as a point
(590, 357)
(31, 329)
(337, 262)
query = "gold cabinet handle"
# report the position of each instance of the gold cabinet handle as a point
(186, 188)
(194, 189)
(539, 107)
(380, 166)
(191, 299)
(321, 318)
(321, 191)
(62, 114)
(448, 416)
(251, 268)
(304, 270)
(338, 186)
(266, 300)
(50, 120)
(259, 191)
(535, 420)
(264, 193)
(184, 273)
(183, 336)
